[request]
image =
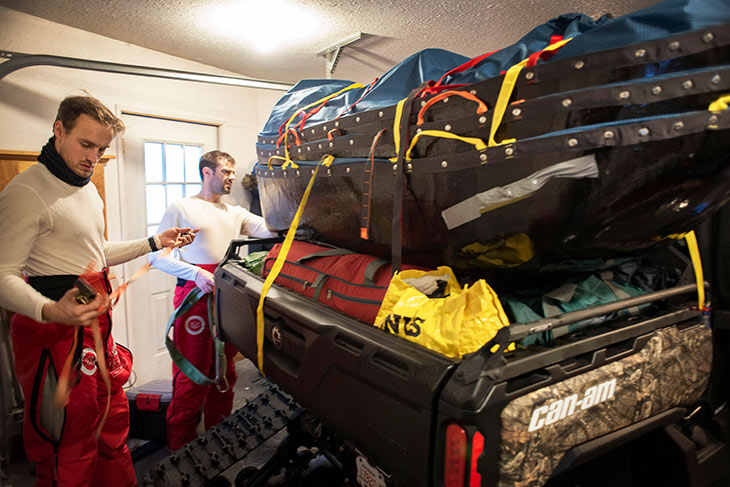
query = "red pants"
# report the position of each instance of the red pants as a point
(66, 438)
(192, 337)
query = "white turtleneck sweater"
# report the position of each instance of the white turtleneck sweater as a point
(219, 223)
(49, 227)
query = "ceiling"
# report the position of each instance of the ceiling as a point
(282, 43)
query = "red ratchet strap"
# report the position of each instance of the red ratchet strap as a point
(544, 55)
(437, 87)
(367, 189)
(282, 136)
(63, 388)
(367, 90)
(481, 108)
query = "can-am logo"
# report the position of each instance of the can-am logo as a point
(562, 408)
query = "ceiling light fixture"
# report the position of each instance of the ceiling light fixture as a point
(266, 25)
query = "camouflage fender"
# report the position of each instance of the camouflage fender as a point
(539, 428)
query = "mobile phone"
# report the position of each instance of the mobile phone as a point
(85, 293)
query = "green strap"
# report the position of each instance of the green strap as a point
(178, 358)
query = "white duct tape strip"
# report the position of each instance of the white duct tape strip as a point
(472, 208)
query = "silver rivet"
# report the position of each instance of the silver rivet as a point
(357, 119)
(299, 150)
(312, 171)
(262, 153)
(297, 172)
(509, 151)
(444, 163)
(319, 146)
(566, 102)
(324, 128)
(347, 169)
(446, 100)
(277, 152)
(482, 157)
(687, 84)
(473, 92)
(410, 166)
(608, 134)
(284, 173)
(395, 167)
(516, 112)
(352, 142)
(380, 114)
(678, 126)
(418, 130)
(709, 37)
(423, 104)
(312, 130)
(331, 144)
(482, 119)
(579, 64)
(624, 94)
(572, 142)
(715, 79)
(447, 127)
(309, 148)
(302, 134)
(655, 90)
(640, 53)
(337, 124)
(329, 172)
(673, 46)
(713, 119)
(529, 75)
(644, 131)
(266, 173)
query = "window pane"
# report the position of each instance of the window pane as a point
(153, 162)
(151, 230)
(174, 163)
(192, 189)
(155, 202)
(174, 192)
(192, 161)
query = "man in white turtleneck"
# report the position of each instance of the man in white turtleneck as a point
(52, 231)
(217, 223)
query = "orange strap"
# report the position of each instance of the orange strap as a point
(481, 108)
(282, 137)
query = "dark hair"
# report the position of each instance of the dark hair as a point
(73, 106)
(213, 159)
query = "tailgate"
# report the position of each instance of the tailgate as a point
(377, 390)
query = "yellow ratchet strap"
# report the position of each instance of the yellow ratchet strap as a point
(477, 143)
(279, 263)
(505, 93)
(321, 100)
(694, 253)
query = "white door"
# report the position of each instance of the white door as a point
(172, 149)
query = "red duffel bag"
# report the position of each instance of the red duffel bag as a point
(352, 283)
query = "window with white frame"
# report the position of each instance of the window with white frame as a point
(171, 173)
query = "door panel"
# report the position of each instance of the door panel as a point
(148, 301)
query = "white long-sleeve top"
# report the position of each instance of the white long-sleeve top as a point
(219, 223)
(49, 227)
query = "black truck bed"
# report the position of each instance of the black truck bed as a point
(540, 411)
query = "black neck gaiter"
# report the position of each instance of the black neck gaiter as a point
(58, 167)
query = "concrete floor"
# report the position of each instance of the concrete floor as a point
(147, 454)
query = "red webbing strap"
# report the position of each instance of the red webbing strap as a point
(367, 90)
(281, 127)
(481, 106)
(544, 55)
(436, 87)
(367, 189)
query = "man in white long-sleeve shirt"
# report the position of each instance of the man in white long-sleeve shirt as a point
(52, 231)
(217, 223)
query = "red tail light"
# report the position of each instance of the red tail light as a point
(477, 446)
(455, 456)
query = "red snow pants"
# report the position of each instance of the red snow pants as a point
(192, 337)
(62, 442)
